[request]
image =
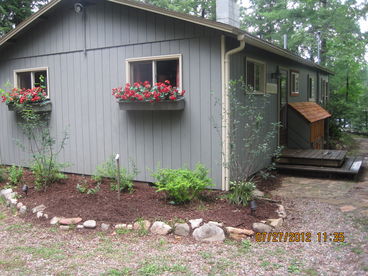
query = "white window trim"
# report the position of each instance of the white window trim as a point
(313, 89)
(264, 74)
(32, 70)
(154, 59)
(296, 73)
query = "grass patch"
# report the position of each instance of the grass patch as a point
(361, 223)
(118, 272)
(357, 250)
(206, 255)
(295, 266)
(42, 252)
(220, 267)
(12, 264)
(310, 272)
(148, 269)
(18, 228)
(123, 231)
(2, 216)
(265, 264)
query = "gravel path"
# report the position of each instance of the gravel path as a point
(31, 250)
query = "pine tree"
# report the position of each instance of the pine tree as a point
(13, 12)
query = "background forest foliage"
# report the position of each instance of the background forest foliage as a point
(332, 23)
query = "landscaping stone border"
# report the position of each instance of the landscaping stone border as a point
(201, 231)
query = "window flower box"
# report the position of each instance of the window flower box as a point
(144, 96)
(37, 107)
(177, 104)
(23, 99)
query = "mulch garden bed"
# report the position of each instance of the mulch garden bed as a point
(63, 199)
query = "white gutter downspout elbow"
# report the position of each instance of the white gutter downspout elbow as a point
(226, 108)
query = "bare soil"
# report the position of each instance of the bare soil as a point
(63, 199)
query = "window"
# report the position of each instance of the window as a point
(324, 90)
(30, 78)
(256, 75)
(294, 78)
(155, 69)
(311, 88)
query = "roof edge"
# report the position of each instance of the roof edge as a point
(251, 39)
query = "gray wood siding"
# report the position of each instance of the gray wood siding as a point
(295, 130)
(80, 90)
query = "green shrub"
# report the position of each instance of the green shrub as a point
(46, 172)
(241, 192)
(84, 188)
(182, 185)
(108, 169)
(15, 175)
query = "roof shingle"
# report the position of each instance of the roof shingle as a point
(311, 111)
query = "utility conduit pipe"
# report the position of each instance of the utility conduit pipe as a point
(226, 107)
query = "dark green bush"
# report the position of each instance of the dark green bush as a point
(182, 185)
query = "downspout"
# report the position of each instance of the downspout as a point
(225, 56)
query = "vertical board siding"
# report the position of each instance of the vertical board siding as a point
(80, 90)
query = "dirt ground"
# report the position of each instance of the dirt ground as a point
(313, 205)
(63, 200)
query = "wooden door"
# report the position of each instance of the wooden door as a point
(317, 134)
(283, 97)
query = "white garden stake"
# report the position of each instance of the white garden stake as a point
(117, 158)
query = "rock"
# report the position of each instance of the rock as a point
(39, 215)
(216, 223)
(90, 224)
(69, 221)
(10, 196)
(182, 229)
(281, 211)
(19, 204)
(144, 224)
(129, 226)
(105, 226)
(46, 216)
(64, 227)
(13, 202)
(258, 193)
(195, 223)
(39, 208)
(54, 220)
(4, 192)
(209, 233)
(80, 226)
(23, 210)
(275, 223)
(261, 227)
(239, 231)
(160, 228)
(347, 208)
(120, 226)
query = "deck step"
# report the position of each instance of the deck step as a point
(351, 166)
(320, 158)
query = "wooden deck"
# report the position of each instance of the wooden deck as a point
(312, 157)
(351, 166)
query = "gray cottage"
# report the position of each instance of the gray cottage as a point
(86, 48)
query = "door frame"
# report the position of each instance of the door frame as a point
(281, 68)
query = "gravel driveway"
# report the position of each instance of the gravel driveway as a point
(27, 249)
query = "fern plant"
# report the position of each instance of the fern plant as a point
(182, 185)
